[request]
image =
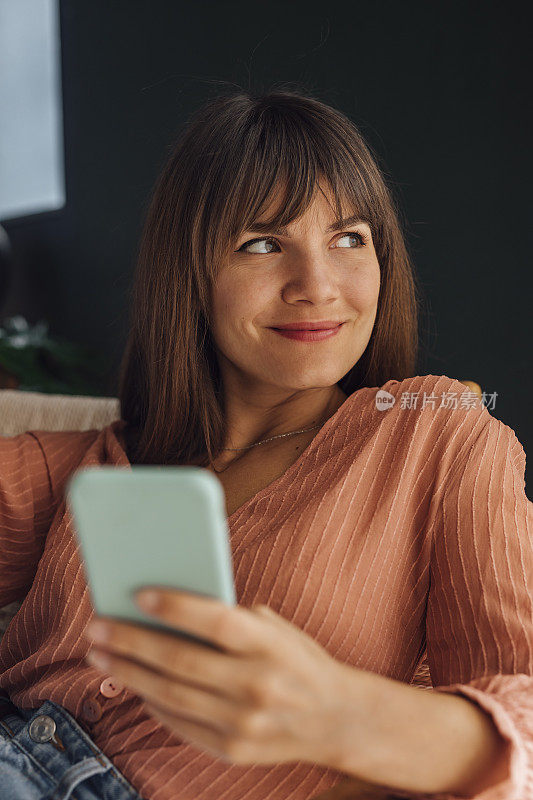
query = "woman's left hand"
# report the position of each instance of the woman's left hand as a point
(269, 693)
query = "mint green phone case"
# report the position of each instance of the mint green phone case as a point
(151, 525)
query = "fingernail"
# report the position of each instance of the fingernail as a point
(98, 630)
(147, 599)
(98, 659)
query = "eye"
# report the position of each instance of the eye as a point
(361, 239)
(244, 247)
(255, 241)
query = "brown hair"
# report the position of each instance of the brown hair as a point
(231, 157)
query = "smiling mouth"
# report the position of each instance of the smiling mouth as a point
(306, 330)
(310, 328)
(308, 335)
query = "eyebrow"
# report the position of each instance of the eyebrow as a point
(266, 227)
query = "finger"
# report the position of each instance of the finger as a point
(201, 736)
(173, 696)
(175, 658)
(286, 627)
(234, 628)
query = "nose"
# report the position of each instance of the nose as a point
(311, 277)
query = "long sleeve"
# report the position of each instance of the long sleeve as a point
(479, 624)
(26, 508)
(34, 468)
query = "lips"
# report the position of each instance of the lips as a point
(308, 335)
(308, 326)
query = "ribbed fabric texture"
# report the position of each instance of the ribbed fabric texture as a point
(394, 530)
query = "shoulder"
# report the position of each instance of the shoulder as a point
(426, 386)
(20, 453)
(66, 450)
(445, 413)
(34, 466)
(63, 451)
(432, 398)
(34, 445)
(420, 395)
(65, 444)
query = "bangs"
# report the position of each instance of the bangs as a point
(272, 170)
(244, 159)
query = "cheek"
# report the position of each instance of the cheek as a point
(226, 301)
(237, 302)
(243, 295)
(362, 288)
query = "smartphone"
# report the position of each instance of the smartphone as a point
(152, 525)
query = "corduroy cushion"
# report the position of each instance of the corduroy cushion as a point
(26, 411)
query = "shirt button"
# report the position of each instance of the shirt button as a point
(91, 710)
(110, 687)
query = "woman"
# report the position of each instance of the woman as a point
(371, 512)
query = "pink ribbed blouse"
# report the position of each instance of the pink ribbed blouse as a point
(401, 526)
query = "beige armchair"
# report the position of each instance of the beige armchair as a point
(23, 411)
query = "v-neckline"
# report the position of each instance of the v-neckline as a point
(286, 476)
(118, 425)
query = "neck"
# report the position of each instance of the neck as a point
(312, 415)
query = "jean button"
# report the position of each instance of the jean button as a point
(42, 728)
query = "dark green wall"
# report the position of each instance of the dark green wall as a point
(438, 89)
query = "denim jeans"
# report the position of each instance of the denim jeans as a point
(46, 755)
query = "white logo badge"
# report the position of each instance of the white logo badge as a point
(384, 400)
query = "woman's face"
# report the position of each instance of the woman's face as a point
(306, 274)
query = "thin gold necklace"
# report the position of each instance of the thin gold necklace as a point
(263, 441)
